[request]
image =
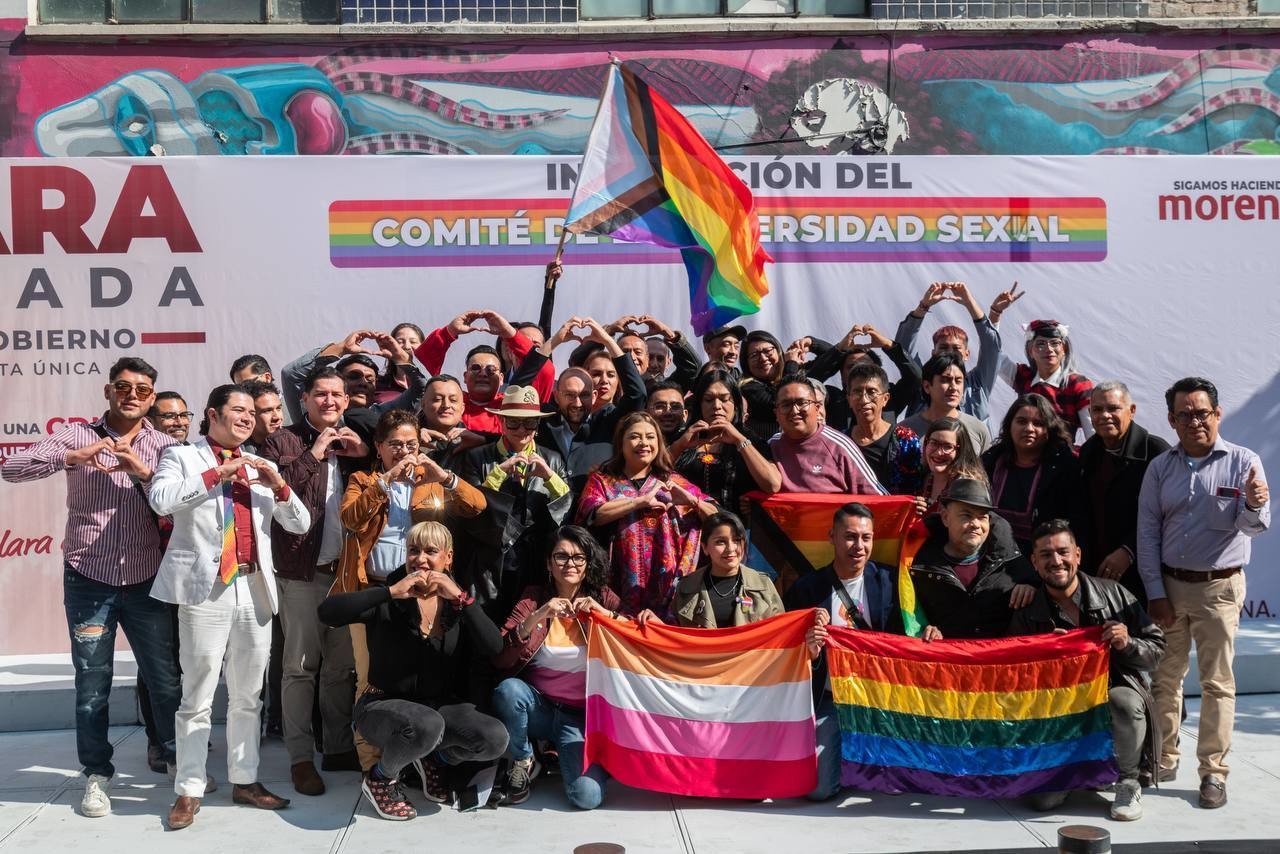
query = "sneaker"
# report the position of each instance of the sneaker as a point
(434, 787)
(210, 784)
(1128, 803)
(97, 798)
(388, 799)
(520, 780)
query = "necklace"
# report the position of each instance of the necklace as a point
(719, 592)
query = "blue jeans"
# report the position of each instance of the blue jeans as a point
(94, 610)
(528, 713)
(828, 730)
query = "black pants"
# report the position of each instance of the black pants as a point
(404, 731)
(144, 695)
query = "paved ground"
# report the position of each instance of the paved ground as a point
(40, 789)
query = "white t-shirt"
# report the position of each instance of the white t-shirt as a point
(854, 587)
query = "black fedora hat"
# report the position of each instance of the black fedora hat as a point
(968, 491)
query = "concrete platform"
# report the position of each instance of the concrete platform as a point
(40, 789)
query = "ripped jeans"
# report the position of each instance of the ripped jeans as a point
(94, 610)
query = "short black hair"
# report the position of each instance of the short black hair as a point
(134, 365)
(855, 509)
(217, 399)
(664, 385)
(939, 363)
(1190, 385)
(724, 517)
(1051, 528)
(164, 395)
(579, 355)
(486, 349)
(868, 371)
(357, 359)
(323, 372)
(255, 364)
(441, 378)
(257, 388)
(795, 381)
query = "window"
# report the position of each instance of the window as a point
(188, 11)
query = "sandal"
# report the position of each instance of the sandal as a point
(388, 799)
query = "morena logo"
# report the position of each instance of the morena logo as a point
(58, 201)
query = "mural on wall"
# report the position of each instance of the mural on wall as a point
(806, 95)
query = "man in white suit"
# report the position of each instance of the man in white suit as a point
(218, 570)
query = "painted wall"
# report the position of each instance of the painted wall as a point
(1177, 94)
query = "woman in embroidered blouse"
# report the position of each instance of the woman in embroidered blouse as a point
(650, 515)
(544, 657)
(717, 452)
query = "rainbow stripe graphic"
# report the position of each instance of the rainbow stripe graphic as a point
(559, 668)
(720, 713)
(794, 229)
(791, 530)
(990, 719)
(649, 177)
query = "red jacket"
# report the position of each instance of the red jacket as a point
(431, 353)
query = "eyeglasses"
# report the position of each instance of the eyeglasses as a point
(486, 370)
(175, 416)
(1047, 344)
(520, 423)
(667, 407)
(398, 446)
(869, 393)
(566, 559)
(123, 389)
(1200, 416)
(762, 354)
(945, 447)
(801, 405)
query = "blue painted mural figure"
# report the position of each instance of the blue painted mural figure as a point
(799, 96)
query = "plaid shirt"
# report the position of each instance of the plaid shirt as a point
(1069, 400)
(111, 533)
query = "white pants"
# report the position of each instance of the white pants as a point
(232, 627)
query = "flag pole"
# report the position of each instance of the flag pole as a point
(549, 282)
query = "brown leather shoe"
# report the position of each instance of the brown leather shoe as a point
(256, 795)
(183, 812)
(306, 779)
(1213, 792)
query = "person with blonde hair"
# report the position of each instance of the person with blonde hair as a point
(412, 708)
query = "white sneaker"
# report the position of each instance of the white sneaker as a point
(1128, 803)
(97, 801)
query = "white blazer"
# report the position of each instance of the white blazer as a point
(190, 565)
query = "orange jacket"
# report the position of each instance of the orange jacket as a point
(364, 514)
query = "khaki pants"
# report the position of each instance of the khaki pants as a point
(314, 651)
(1207, 614)
(369, 755)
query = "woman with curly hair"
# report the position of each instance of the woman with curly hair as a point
(1033, 467)
(650, 515)
(544, 659)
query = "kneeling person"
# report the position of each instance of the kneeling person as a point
(1071, 599)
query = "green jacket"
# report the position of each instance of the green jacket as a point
(692, 604)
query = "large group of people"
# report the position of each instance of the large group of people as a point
(393, 566)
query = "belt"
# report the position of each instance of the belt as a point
(246, 568)
(1195, 576)
(327, 568)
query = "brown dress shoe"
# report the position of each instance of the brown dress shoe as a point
(183, 812)
(1213, 792)
(306, 779)
(256, 795)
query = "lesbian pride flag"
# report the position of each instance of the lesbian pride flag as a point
(648, 176)
(715, 713)
(791, 530)
(983, 719)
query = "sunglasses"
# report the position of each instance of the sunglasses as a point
(124, 389)
(521, 423)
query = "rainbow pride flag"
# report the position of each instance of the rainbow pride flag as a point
(717, 713)
(648, 176)
(791, 530)
(985, 719)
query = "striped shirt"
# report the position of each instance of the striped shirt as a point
(111, 534)
(559, 667)
(827, 461)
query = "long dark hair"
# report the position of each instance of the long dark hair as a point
(217, 399)
(596, 577)
(710, 378)
(1059, 436)
(616, 464)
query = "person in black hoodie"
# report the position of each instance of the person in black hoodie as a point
(412, 709)
(1033, 467)
(969, 576)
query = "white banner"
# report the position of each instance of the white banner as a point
(1163, 267)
